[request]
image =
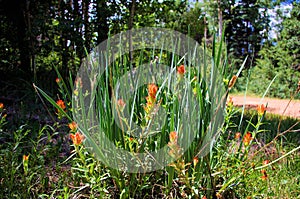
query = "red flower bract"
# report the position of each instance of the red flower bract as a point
(195, 161)
(152, 89)
(261, 109)
(25, 157)
(266, 162)
(173, 136)
(247, 138)
(181, 70)
(77, 138)
(237, 135)
(265, 175)
(61, 104)
(72, 126)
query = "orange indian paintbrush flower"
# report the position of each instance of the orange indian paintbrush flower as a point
(73, 126)
(266, 162)
(25, 157)
(195, 161)
(61, 104)
(265, 175)
(261, 109)
(181, 70)
(247, 138)
(77, 138)
(152, 89)
(1, 106)
(173, 136)
(237, 135)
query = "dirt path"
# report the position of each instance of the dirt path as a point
(276, 106)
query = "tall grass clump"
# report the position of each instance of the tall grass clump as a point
(150, 120)
(151, 116)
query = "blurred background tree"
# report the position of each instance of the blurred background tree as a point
(280, 56)
(245, 22)
(38, 35)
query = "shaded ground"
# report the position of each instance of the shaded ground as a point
(276, 106)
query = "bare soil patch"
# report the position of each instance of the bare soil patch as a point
(286, 107)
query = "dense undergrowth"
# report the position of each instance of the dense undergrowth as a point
(47, 153)
(53, 169)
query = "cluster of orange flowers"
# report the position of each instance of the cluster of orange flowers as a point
(237, 135)
(181, 70)
(261, 109)
(1, 109)
(265, 162)
(248, 136)
(73, 126)
(263, 171)
(61, 104)
(76, 138)
(175, 150)
(151, 98)
(173, 137)
(265, 175)
(246, 139)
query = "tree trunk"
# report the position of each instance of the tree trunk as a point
(63, 40)
(78, 39)
(14, 10)
(102, 25)
(87, 31)
(130, 26)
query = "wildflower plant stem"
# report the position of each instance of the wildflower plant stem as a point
(78, 150)
(48, 98)
(63, 86)
(43, 102)
(246, 88)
